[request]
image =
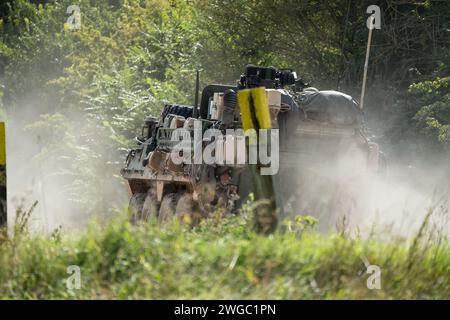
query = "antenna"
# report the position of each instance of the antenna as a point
(197, 84)
(366, 63)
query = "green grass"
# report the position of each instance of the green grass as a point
(221, 259)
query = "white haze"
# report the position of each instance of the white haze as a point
(343, 194)
(396, 203)
(47, 180)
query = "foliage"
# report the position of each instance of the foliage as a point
(81, 95)
(78, 98)
(220, 260)
(433, 118)
(131, 56)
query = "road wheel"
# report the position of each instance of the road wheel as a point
(150, 206)
(135, 206)
(187, 209)
(167, 208)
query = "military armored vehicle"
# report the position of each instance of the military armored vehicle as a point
(314, 128)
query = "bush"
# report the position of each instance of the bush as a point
(220, 259)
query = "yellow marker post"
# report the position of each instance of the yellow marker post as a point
(254, 109)
(255, 115)
(3, 212)
(2, 144)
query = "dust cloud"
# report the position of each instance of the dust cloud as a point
(344, 194)
(53, 166)
(340, 192)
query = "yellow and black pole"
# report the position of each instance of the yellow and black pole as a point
(3, 212)
(255, 117)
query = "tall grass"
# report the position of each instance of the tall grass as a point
(220, 259)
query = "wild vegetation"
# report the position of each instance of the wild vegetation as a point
(130, 56)
(74, 99)
(221, 259)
